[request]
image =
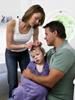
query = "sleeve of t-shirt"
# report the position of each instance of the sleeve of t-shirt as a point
(63, 60)
(30, 65)
(46, 68)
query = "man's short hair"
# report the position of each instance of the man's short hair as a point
(58, 26)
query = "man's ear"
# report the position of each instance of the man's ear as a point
(55, 33)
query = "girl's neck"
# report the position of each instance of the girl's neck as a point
(39, 67)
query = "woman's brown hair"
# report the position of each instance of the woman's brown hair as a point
(34, 9)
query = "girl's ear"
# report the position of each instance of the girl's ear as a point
(44, 53)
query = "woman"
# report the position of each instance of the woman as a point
(18, 34)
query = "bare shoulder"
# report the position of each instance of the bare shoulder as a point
(11, 22)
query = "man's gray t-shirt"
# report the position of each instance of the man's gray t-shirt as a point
(63, 59)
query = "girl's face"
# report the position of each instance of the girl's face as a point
(38, 56)
(35, 19)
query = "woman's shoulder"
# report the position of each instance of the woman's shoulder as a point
(12, 22)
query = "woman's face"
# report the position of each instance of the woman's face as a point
(35, 19)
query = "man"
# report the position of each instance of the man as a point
(61, 60)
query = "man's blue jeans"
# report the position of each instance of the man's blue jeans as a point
(12, 59)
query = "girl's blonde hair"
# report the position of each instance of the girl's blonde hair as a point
(37, 47)
(34, 9)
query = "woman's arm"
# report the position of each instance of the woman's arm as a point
(35, 34)
(9, 37)
(35, 37)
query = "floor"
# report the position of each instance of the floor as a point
(4, 97)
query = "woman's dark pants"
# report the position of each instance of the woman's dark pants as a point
(12, 59)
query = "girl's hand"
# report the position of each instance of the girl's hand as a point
(19, 84)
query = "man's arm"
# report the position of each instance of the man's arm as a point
(49, 81)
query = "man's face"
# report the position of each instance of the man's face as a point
(49, 36)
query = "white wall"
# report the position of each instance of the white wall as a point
(10, 8)
(7, 8)
(25, 4)
(50, 6)
(16, 8)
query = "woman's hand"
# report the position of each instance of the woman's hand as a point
(31, 44)
(28, 45)
(36, 43)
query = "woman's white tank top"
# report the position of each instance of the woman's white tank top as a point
(19, 38)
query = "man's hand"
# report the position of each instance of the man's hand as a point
(27, 73)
